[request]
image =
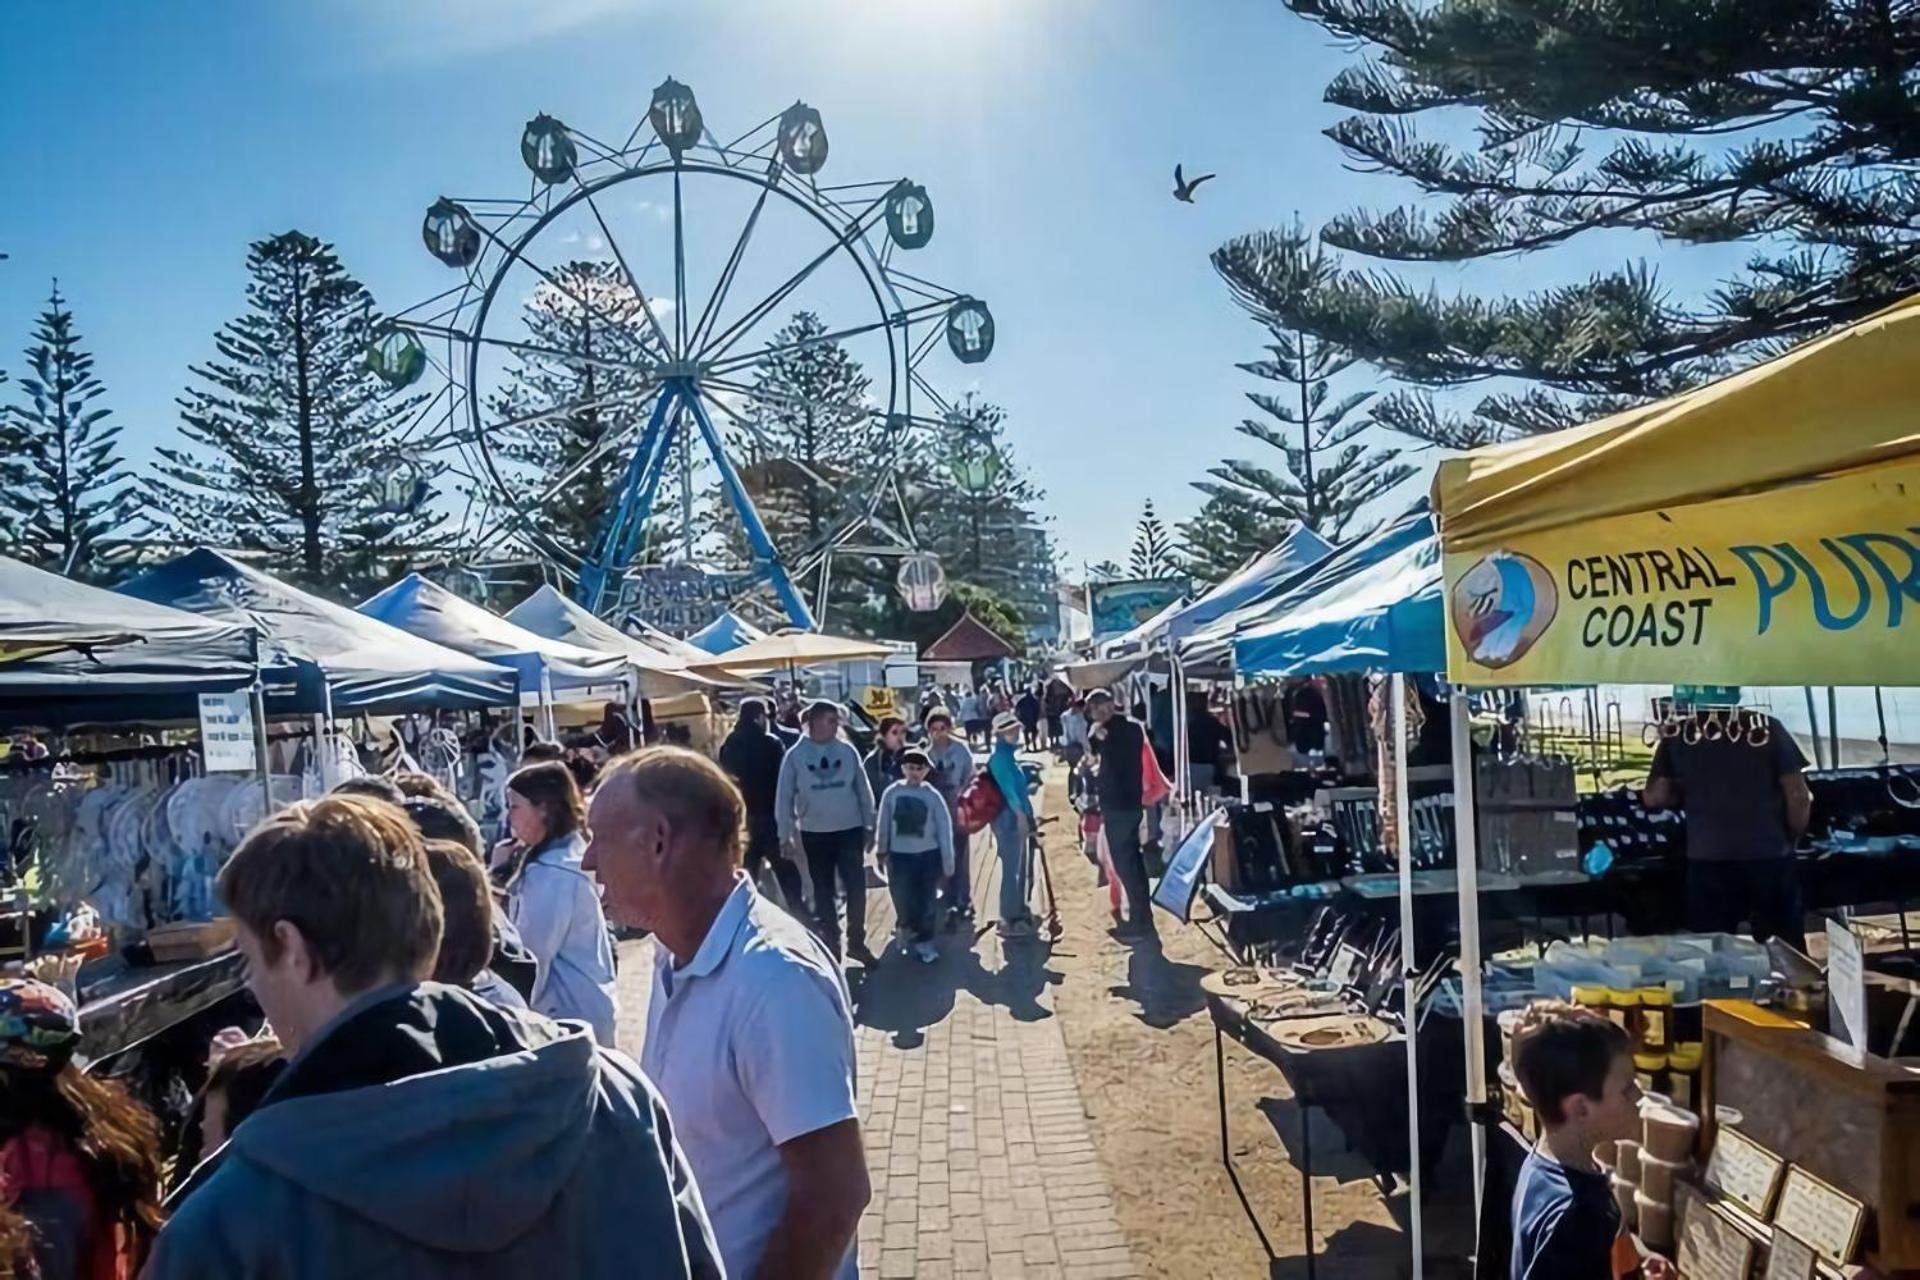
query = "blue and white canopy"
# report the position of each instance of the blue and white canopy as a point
(314, 652)
(430, 611)
(726, 633)
(1387, 617)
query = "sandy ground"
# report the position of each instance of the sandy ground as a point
(1142, 1047)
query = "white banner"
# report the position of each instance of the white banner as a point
(226, 732)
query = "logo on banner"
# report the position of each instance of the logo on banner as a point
(1502, 606)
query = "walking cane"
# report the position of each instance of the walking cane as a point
(1037, 850)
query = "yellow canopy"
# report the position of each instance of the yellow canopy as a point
(1762, 529)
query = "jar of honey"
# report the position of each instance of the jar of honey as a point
(1683, 1073)
(1656, 1017)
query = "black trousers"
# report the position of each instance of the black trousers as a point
(763, 847)
(1123, 842)
(1721, 896)
(841, 855)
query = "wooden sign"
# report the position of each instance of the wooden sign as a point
(1824, 1216)
(1790, 1258)
(1711, 1248)
(1743, 1169)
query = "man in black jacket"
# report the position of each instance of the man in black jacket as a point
(1118, 743)
(751, 756)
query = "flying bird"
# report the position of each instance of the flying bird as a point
(1182, 189)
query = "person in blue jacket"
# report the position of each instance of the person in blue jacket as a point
(1011, 826)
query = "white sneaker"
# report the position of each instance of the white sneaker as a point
(925, 952)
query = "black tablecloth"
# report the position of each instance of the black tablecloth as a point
(132, 1005)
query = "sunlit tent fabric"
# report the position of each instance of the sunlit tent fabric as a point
(71, 653)
(672, 646)
(1385, 618)
(791, 649)
(1758, 530)
(314, 653)
(1209, 650)
(1299, 550)
(426, 609)
(548, 613)
(725, 633)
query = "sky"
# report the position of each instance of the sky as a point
(146, 144)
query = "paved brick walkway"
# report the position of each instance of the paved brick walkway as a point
(977, 1138)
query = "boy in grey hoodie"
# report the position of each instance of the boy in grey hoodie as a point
(825, 803)
(915, 836)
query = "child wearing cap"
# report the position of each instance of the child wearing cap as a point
(915, 836)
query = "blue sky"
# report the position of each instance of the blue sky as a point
(147, 143)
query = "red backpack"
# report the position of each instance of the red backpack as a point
(978, 804)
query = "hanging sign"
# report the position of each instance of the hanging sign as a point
(1846, 985)
(226, 732)
(1816, 583)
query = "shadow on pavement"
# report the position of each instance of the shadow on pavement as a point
(1167, 991)
(905, 997)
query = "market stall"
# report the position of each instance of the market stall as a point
(1759, 530)
(724, 634)
(547, 669)
(661, 674)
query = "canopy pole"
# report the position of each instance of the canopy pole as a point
(1182, 756)
(1409, 1004)
(1833, 726)
(1466, 841)
(546, 703)
(258, 699)
(1813, 727)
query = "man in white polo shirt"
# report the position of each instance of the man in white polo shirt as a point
(749, 1033)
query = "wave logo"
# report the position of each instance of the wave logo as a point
(1502, 606)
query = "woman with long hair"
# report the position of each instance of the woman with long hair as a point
(555, 904)
(79, 1156)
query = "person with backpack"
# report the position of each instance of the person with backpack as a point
(1011, 827)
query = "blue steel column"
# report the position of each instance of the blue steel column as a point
(763, 551)
(642, 473)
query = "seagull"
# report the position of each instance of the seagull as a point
(1182, 189)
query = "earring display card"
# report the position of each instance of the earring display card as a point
(1711, 1248)
(1743, 1169)
(1824, 1216)
(1790, 1257)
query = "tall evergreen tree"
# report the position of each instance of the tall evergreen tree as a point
(1788, 125)
(975, 507)
(1327, 473)
(809, 434)
(286, 429)
(66, 487)
(1151, 555)
(577, 396)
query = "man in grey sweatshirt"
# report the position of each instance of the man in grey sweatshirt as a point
(915, 836)
(825, 804)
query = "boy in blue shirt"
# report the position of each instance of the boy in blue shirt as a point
(1576, 1069)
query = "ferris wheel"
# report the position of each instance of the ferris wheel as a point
(668, 265)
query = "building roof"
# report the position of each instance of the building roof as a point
(968, 640)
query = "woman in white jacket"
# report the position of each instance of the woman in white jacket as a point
(555, 904)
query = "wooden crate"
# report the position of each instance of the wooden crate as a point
(195, 940)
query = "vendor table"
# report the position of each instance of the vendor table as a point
(130, 1006)
(1354, 1085)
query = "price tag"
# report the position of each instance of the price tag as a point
(1743, 1169)
(1790, 1257)
(1711, 1248)
(1820, 1214)
(226, 732)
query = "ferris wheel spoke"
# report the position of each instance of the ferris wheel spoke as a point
(738, 329)
(520, 347)
(736, 363)
(612, 441)
(631, 396)
(711, 310)
(515, 255)
(760, 395)
(679, 268)
(754, 429)
(633, 281)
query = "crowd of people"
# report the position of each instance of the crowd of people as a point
(434, 1086)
